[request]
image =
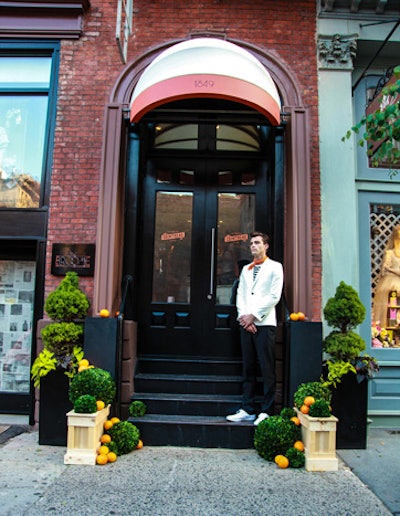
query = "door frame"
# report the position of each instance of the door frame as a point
(302, 288)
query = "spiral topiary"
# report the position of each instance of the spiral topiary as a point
(125, 436)
(85, 404)
(274, 436)
(67, 302)
(95, 381)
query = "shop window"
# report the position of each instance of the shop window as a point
(17, 287)
(385, 274)
(25, 97)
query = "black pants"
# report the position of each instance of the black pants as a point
(261, 346)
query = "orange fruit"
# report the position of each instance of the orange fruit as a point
(294, 317)
(295, 420)
(105, 438)
(100, 404)
(115, 420)
(304, 409)
(82, 368)
(301, 316)
(139, 445)
(83, 362)
(103, 450)
(299, 445)
(278, 458)
(111, 456)
(101, 459)
(283, 462)
(104, 312)
(309, 400)
(108, 424)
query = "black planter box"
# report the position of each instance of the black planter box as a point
(349, 405)
(53, 406)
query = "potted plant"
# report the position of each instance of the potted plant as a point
(91, 392)
(346, 368)
(318, 426)
(59, 360)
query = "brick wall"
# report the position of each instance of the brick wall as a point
(90, 66)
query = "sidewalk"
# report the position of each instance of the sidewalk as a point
(191, 481)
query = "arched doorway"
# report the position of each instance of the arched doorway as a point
(142, 181)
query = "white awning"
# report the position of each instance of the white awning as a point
(206, 68)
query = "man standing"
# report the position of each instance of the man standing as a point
(259, 291)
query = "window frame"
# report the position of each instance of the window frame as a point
(35, 49)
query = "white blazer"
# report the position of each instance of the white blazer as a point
(260, 297)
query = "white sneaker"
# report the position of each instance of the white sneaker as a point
(241, 415)
(261, 417)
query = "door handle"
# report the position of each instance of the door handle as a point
(212, 264)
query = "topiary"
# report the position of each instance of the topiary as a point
(67, 302)
(317, 390)
(288, 412)
(296, 458)
(125, 435)
(137, 408)
(345, 310)
(95, 381)
(85, 404)
(320, 408)
(274, 436)
(60, 338)
(344, 346)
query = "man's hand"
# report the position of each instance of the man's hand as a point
(247, 323)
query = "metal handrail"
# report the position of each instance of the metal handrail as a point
(126, 282)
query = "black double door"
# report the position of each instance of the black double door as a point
(197, 216)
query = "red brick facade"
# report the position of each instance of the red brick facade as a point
(91, 65)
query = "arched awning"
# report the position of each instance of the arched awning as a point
(206, 68)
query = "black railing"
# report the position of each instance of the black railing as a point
(126, 283)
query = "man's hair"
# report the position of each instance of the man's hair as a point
(264, 236)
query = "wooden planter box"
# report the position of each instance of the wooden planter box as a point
(319, 438)
(84, 432)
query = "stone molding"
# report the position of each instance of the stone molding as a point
(337, 51)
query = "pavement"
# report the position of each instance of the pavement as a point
(172, 481)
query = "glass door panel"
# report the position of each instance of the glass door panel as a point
(172, 247)
(236, 220)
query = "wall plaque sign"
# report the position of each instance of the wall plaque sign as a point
(78, 258)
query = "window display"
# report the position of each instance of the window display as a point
(385, 265)
(17, 285)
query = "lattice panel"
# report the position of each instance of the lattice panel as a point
(382, 223)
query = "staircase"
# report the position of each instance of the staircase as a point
(187, 400)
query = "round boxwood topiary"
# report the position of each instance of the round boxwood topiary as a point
(296, 458)
(137, 408)
(320, 409)
(315, 389)
(288, 412)
(95, 381)
(125, 436)
(274, 436)
(85, 404)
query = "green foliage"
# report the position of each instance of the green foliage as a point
(61, 337)
(67, 302)
(112, 446)
(296, 458)
(315, 389)
(43, 364)
(274, 436)
(382, 126)
(345, 310)
(137, 408)
(288, 412)
(85, 404)
(320, 409)
(95, 381)
(125, 435)
(343, 346)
